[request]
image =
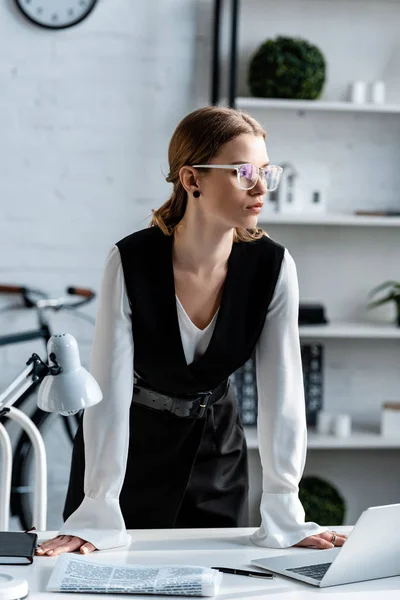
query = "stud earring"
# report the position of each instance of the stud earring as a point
(196, 194)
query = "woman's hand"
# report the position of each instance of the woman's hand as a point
(64, 543)
(324, 541)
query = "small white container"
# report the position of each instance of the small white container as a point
(324, 422)
(377, 92)
(390, 419)
(358, 92)
(341, 426)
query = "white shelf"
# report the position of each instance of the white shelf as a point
(358, 440)
(328, 219)
(315, 105)
(350, 330)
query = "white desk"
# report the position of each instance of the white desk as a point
(208, 547)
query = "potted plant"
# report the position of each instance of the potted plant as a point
(321, 501)
(287, 67)
(392, 294)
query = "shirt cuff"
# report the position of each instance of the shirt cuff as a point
(98, 521)
(282, 522)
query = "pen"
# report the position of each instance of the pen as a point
(245, 573)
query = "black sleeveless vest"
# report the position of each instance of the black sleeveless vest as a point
(253, 270)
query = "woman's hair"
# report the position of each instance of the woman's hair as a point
(196, 140)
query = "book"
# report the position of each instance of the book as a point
(244, 383)
(17, 547)
(82, 575)
(312, 363)
(378, 213)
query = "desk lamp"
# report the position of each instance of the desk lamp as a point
(66, 388)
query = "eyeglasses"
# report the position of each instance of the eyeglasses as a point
(248, 174)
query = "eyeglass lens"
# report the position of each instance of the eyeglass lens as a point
(248, 177)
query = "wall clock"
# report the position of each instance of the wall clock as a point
(56, 14)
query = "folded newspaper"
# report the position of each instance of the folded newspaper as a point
(78, 574)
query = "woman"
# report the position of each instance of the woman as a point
(191, 298)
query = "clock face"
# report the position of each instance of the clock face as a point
(56, 14)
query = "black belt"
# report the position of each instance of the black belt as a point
(192, 406)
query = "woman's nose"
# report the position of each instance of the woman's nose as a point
(261, 186)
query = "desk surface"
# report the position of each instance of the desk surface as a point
(208, 547)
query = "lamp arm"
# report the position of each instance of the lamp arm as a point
(35, 372)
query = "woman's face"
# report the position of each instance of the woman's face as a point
(221, 196)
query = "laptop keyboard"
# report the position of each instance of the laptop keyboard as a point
(313, 571)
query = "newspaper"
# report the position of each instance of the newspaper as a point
(74, 573)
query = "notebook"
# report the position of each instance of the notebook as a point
(17, 547)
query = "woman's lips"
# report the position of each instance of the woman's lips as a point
(255, 208)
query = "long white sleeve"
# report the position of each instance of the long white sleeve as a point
(282, 430)
(106, 426)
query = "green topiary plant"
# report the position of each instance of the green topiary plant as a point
(393, 294)
(287, 68)
(322, 503)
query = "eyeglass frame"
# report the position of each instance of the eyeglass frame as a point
(237, 168)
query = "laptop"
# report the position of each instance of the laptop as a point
(371, 551)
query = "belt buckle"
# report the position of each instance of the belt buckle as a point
(200, 409)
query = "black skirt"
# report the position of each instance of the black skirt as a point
(180, 472)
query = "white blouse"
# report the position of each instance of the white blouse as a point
(282, 429)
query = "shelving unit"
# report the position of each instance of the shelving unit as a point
(358, 440)
(329, 219)
(361, 357)
(343, 330)
(249, 103)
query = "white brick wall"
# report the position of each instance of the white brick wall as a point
(86, 115)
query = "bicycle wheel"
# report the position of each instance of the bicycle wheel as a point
(57, 439)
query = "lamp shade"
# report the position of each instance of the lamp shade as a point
(74, 388)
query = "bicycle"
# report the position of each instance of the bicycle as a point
(62, 429)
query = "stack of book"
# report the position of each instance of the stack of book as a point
(244, 382)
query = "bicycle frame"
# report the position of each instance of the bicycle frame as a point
(26, 336)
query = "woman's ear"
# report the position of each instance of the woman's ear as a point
(189, 179)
